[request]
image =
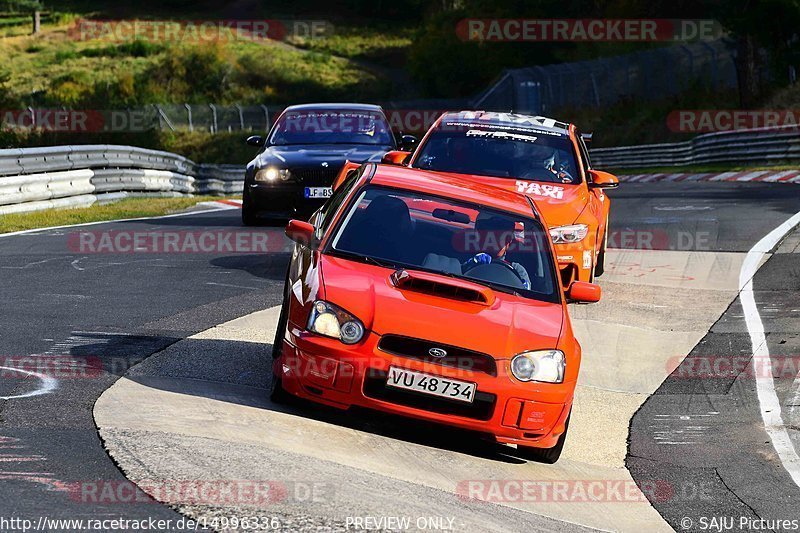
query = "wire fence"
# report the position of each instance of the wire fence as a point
(647, 75)
(214, 118)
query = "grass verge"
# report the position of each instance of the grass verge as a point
(127, 208)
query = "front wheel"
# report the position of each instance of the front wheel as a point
(283, 318)
(600, 267)
(545, 455)
(278, 394)
(249, 217)
(280, 333)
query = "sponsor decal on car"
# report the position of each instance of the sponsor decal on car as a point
(587, 259)
(540, 189)
(502, 135)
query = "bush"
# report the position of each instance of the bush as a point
(70, 90)
(191, 74)
(136, 48)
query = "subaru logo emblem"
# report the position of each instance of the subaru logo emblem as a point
(325, 164)
(437, 352)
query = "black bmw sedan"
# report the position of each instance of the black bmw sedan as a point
(303, 153)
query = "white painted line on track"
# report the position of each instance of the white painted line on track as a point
(48, 384)
(767, 398)
(174, 215)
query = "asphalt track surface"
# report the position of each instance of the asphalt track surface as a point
(114, 310)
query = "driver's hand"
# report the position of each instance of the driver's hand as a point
(479, 259)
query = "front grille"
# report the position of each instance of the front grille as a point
(456, 357)
(319, 176)
(482, 408)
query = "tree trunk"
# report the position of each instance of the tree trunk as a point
(37, 22)
(747, 71)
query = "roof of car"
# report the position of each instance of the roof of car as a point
(508, 120)
(335, 106)
(451, 186)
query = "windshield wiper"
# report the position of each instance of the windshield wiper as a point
(368, 259)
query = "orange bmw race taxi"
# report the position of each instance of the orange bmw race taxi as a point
(540, 157)
(434, 297)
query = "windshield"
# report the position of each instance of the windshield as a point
(332, 127)
(407, 229)
(499, 151)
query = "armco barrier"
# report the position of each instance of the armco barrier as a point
(77, 176)
(764, 145)
(72, 176)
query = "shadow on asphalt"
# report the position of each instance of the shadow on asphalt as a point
(254, 392)
(270, 266)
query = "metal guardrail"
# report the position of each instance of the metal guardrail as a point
(74, 176)
(767, 145)
(77, 176)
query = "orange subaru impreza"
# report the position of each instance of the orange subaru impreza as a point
(540, 157)
(433, 297)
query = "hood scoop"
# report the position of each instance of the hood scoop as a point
(442, 286)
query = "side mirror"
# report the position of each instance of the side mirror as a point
(408, 143)
(300, 232)
(256, 140)
(583, 292)
(396, 157)
(602, 180)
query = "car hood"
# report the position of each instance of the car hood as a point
(509, 326)
(314, 155)
(560, 204)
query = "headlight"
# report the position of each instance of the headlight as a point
(333, 321)
(542, 365)
(568, 234)
(272, 174)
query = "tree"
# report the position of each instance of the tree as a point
(769, 25)
(24, 6)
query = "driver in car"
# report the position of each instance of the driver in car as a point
(540, 157)
(503, 232)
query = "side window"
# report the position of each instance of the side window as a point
(327, 212)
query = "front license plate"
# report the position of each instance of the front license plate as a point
(318, 192)
(462, 391)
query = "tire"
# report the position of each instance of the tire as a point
(249, 217)
(545, 455)
(278, 394)
(283, 319)
(600, 267)
(283, 322)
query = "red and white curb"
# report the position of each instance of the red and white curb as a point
(223, 204)
(766, 176)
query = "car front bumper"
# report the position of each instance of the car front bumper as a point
(281, 200)
(576, 261)
(324, 370)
